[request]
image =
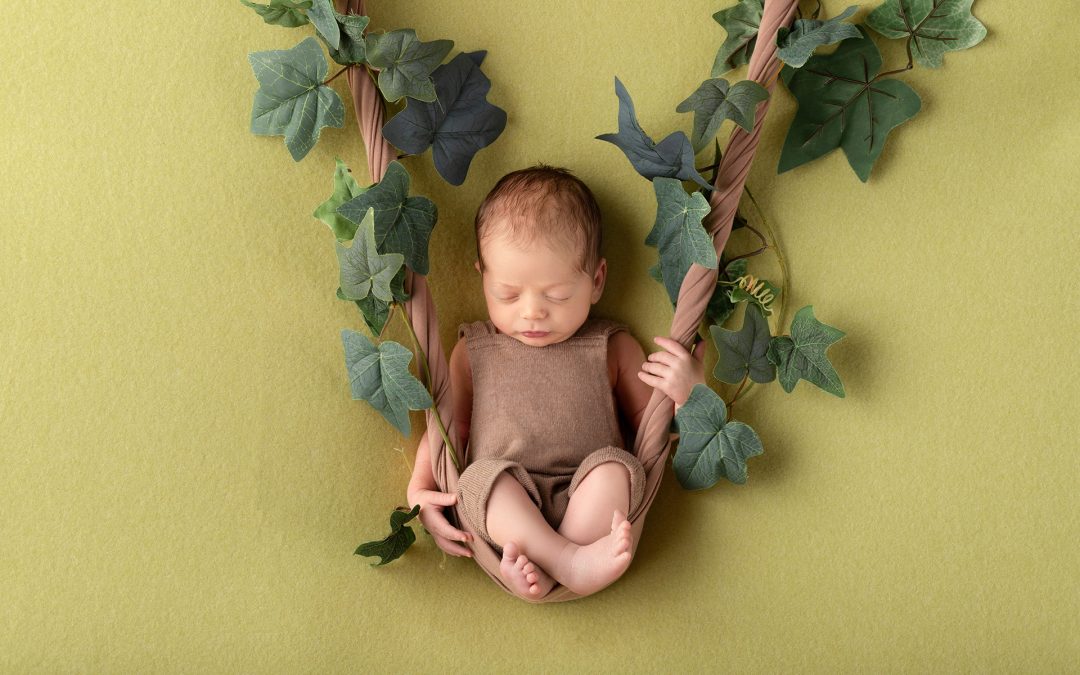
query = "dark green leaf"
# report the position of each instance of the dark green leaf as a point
(743, 351)
(403, 224)
(673, 157)
(380, 375)
(708, 448)
(395, 544)
(933, 28)
(345, 188)
(459, 123)
(292, 100)
(713, 103)
(363, 270)
(406, 63)
(282, 12)
(803, 354)
(678, 234)
(741, 22)
(797, 45)
(720, 305)
(840, 105)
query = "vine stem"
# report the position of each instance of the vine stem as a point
(427, 382)
(332, 77)
(775, 246)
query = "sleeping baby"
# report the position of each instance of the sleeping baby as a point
(543, 393)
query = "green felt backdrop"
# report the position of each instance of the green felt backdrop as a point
(183, 476)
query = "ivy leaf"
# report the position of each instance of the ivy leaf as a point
(374, 311)
(932, 28)
(363, 270)
(743, 351)
(803, 354)
(459, 123)
(714, 102)
(741, 22)
(292, 100)
(352, 47)
(322, 15)
(380, 375)
(720, 305)
(345, 188)
(678, 233)
(403, 224)
(406, 63)
(797, 45)
(395, 544)
(708, 448)
(673, 157)
(282, 12)
(842, 104)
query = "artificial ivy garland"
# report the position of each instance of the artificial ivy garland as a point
(381, 229)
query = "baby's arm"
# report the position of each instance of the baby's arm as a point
(422, 488)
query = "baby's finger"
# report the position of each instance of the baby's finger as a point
(673, 346)
(663, 357)
(442, 527)
(651, 380)
(451, 547)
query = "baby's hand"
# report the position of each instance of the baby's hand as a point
(431, 503)
(675, 371)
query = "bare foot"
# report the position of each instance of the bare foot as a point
(527, 579)
(600, 563)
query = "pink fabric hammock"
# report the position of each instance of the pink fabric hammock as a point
(653, 440)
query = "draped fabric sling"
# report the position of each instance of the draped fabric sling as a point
(652, 444)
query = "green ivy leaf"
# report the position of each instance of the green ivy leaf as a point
(741, 22)
(933, 27)
(395, 544)
(714, 102)
(403, 224)
(841, 105)
(345, 188)
(708, 448)
(374, 311)
(673, 157)
(678, 234)
(352, 47)
(743, 351)
(363, 270)
(380, 375)
(802, 355)
(459, 123)
(292, 100)
(322, 15)
(282, 12)
(795, 46)
(720, 305)
(406, 63)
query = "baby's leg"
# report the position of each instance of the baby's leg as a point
(513, 517)
(605, 489)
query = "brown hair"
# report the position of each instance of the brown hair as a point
(543, 203)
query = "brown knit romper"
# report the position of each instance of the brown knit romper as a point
(546, 414)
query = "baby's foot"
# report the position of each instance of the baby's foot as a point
(600, 563)
(524, 577)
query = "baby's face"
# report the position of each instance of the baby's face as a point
(537, 289)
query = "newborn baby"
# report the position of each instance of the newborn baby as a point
(541, 386)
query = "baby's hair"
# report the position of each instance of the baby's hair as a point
(543, 203)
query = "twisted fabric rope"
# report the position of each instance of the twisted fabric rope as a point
(652, 443)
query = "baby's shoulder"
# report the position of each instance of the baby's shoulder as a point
(460, 370)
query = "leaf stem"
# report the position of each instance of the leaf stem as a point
(422, 357)
(332, 77)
